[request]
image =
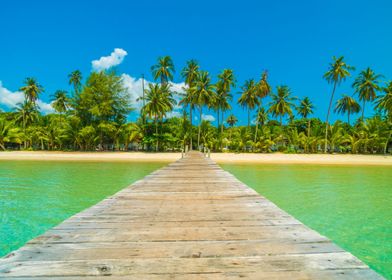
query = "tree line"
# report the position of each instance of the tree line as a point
(94, 115)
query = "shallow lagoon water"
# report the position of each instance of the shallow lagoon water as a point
(37, 195)
(352, 205)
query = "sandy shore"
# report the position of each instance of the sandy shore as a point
(278, 158)
(218, 157)
(90, 156)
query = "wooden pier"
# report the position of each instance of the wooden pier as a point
(189, 220)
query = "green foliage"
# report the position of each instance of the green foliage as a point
(94, 117)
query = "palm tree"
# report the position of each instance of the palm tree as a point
(304, 109)
(348, 105)
(75, 79)
(8, 133)
(338, 71)
(224, 85)
(281, 103)
(190, 73)
(231, 121)
(248, 98)
(261, 117)
(31, 89)
(159, 102)
(203, 95)
(26, 114)
(60, 102)
(263, 89)
(384, 103)
(366, 86)
(163, 70)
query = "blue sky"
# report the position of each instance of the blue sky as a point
(293, 40)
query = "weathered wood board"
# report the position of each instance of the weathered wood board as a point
(189, 220)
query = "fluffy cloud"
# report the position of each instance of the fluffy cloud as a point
(45, 108)
(106, 62)
(209, 118)
(10, 100)
(135, 90)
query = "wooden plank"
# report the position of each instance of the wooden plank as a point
(188, 220)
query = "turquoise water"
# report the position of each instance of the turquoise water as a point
(352, 205)
(35, 196)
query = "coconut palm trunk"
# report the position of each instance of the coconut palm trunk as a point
(218, 116)
(191, 134)
(248, 119)
(326, 121)
(387, 141)
(363, 109)
(156, 134)
(198, 135)
(221, 142)
(223, 114)
(24, 131)
(257, 123)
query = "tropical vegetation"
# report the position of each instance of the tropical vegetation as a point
(94, 114)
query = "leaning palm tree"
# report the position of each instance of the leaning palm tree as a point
(60, 102)
(348, 105)
(75, 79)
(190, 73)
(248, 98)
(203, 93)
(366, 86)
(384, 103)
(263, 89)
(163, 70)
(338, 71)
(281, 103)
(31, 89)
(304, 109)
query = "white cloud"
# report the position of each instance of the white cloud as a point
(106, 62)
(45, 108)
(209, 118)
(11, 99)
(135, 90)
(174, 114)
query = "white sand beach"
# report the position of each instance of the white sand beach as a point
(279, 158)
(243, 158)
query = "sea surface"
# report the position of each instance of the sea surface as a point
(37, 195)
(352, 205)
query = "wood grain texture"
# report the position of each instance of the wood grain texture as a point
(188, 220)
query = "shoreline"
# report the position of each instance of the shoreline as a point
(222, 158)
(316, 159)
